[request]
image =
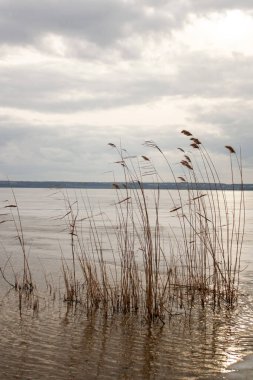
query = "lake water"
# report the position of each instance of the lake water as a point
(61, 342)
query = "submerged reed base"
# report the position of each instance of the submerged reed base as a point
(155, 273)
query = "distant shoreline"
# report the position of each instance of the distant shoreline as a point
(110, 185)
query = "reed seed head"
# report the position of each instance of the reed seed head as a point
(195, 140)
(230, 148)
(186, 133)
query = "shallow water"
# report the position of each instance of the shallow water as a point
(56, 342)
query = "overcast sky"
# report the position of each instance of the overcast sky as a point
(76, 75)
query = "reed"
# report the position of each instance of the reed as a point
(153, 271)
(201, 266)
(22, 281)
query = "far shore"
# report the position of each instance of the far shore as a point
(121, 185)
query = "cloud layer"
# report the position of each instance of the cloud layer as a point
(74, 76)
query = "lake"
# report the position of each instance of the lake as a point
(58, 341)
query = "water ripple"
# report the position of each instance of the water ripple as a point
(61, 343)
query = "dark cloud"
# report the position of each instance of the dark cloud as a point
(100, 21)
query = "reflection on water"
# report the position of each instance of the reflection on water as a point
(59, 342)
(62, 343)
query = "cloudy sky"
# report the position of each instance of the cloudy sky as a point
(77, 75)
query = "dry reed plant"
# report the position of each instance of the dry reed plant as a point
(22, 282)
(152, 270)
(201, 265)
(213, 229)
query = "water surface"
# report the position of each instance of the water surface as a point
(60, 342)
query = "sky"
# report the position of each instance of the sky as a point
(75, 76)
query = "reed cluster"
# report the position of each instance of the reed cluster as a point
(152, 270)
(156, 272)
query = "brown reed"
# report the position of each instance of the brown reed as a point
(152, 274)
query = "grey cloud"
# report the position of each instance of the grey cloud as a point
(36, 152)
(48, 89)
(100, 21)
(216, 6)
(201, 75)
(193, 6)
(102, 32)
(81, 153)
(234, 121)
(39, 152)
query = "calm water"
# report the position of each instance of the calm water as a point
(61, 343)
